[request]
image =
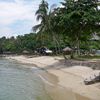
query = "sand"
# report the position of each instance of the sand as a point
(63, 82)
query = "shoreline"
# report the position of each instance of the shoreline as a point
(62, 82)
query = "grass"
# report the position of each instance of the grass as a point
(87, 57)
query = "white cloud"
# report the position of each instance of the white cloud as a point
(3, 32)
(17, 11)
(18, 16)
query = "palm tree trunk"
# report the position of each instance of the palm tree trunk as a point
(57, 44)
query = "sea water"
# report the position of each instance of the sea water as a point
(18, 82)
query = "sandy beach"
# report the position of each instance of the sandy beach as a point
(64, 82)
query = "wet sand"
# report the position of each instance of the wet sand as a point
(63, 82)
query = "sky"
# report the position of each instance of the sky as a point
(18, 16)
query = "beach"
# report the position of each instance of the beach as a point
(64, 82)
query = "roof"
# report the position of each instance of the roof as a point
(67, 49)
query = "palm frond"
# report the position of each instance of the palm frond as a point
(63, 4)
(39, 17)
(52, 8)
(36, 27)
(38, 12)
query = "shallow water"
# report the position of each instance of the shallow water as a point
(17, 82)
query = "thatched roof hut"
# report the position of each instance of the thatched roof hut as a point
(26, 52)
(67, 49)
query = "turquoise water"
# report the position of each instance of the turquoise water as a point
(20, 83)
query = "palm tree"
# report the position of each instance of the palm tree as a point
(46, 25)
(41, 14)
(53, 28)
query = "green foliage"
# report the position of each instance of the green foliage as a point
(42, 15)
(79, 20)
(72, 25)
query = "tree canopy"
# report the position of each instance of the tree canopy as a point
(73, 24)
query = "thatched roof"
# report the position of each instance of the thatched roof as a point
(25, 51)
(67, 49)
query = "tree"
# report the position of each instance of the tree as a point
(79, 20)
(42, 15)
(46, 26)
